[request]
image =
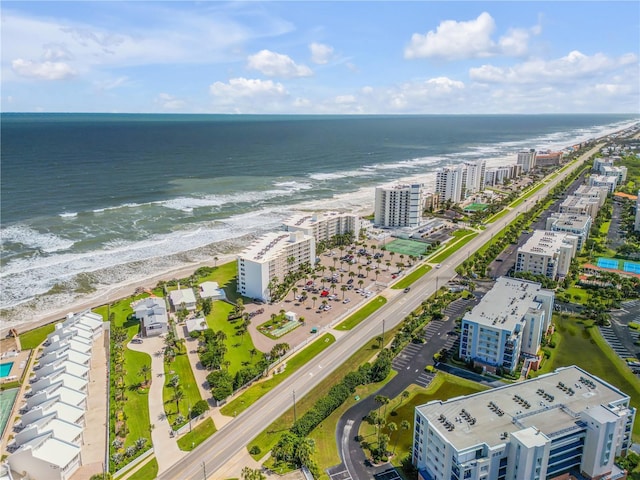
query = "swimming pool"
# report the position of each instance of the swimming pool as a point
(5, 368)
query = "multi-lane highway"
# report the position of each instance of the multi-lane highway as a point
(211, 455)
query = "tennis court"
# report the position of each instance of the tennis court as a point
(475, 207)
(406, 247)
(632, 267)
(609, 263)
(7, 397)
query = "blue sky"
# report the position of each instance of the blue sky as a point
(321, 57)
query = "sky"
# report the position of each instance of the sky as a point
(300, 57)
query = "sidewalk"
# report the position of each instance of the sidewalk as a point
(166, 448)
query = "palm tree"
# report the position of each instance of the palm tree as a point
(377, 272)
(324, 302)
(360, 283)
(343, 288)
(314, 301)
(333, 287)
(404, 425)
(144, 372)
(393, 426)
(294, 290)
(215, 261)
(177, 396)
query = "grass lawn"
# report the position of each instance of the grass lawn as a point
(33, 338)
(270, 435)
(181, 367)
(604, 228)
(408, 280)
(227, 276)
(461, 242)
(361, 314)
(326, 451)
(199, 434)
(443, 387)
(238, 347)
(578, 294)
(136, 407)
(256, 391)
(269, 327)
(148, 472)
(578, 342)
(497, 216)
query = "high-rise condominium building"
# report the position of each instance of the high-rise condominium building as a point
(527, 158)
(272, 257)
(475, 176)
(398, 206)
(451, 183)
(561, 423)
(508, 322)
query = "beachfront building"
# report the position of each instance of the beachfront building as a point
(324, 226)
(272, 257)
(508, 323)
(475, 176)
(430, 201)
(548, 159)
(577, 225)
(451, 183)
(182, 299)
(398, 206)
(547, 253)
(152, 313)
(636, 225)
(49, 433)
(580, 206)
(498, 175)
(527, 158)
(211, 290)
(567, 421)
(603, 181)
(595, 192)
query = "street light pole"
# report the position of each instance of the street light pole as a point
(382, 345)
(294, 407)
(204, 470)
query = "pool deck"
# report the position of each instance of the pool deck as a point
(19, 360)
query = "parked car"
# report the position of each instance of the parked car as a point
(346, 300)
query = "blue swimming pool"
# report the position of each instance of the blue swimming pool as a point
(5, 368)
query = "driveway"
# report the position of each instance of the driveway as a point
(409, 364)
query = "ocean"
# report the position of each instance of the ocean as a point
(89, 200)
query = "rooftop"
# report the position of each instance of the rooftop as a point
(579, 202)
(550, 403)
(570, 220)
(185, 295)
(51, 450)
(271, 244)
(544, 242)
(590, 190)
(506, 303)
(61, 429)
(309, 220)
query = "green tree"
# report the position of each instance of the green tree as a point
(177, 396)
(144, 372)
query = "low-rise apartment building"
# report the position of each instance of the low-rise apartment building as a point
(604, 181)
(508, 323)
(637, 222)
(620, 172)
(547, 253)
(578, 225)
(580, 206)
(568, 421)
(272, 257)
(598, 193)
(324, 226)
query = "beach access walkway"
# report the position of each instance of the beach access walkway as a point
(169, 453)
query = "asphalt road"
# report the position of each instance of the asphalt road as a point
(212, 454)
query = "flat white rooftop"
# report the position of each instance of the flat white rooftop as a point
(66, 412)
(312, 219)
(505, 304)
(61, 429)
(544, 242)
(571, 220)
(577, 202)
(270, 245)
(551, 414)
(53, 451)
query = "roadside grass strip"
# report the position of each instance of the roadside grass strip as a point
(181, 367)
(353, 320)
(442, 387)
(199, 434)
(258, 390)
(408, 280)
(497, 216)
(444, 254)
(148, 472)
(33, 338)
(579, 342)
(266, 439)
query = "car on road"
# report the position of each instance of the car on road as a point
(438, 265)
(346, 300)
(406, 290)
(136, 340)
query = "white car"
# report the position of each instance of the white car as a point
(346, 300)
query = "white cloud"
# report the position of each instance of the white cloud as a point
(320, 53)
(169, 102)
(42, 70)
(242, 88)
(110, 84)
(575, 65)
(275, 64)
(454, 40)
(345, 100)
(302, 103)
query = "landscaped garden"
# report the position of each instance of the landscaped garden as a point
(278, 325)
(197, 435)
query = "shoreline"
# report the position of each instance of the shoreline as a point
(125, 288)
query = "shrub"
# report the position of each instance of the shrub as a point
(199, 408)
(255, 450)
